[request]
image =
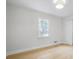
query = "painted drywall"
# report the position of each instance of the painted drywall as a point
(68, 29)
(46, 6)
(22, 28)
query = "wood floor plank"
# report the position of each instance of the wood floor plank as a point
(58, 52)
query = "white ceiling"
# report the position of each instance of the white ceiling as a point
(46, 6)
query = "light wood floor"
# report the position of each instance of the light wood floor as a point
(57, 52)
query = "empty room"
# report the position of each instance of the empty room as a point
(39, 29)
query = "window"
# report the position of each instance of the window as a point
(43, 27)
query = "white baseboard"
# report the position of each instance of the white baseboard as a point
(25, 50)
(29, 49)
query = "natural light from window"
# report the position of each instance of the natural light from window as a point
(43, 27)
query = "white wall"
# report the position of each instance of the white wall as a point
(22, 29)
(68, 29)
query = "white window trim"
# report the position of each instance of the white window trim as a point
(43, 35)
